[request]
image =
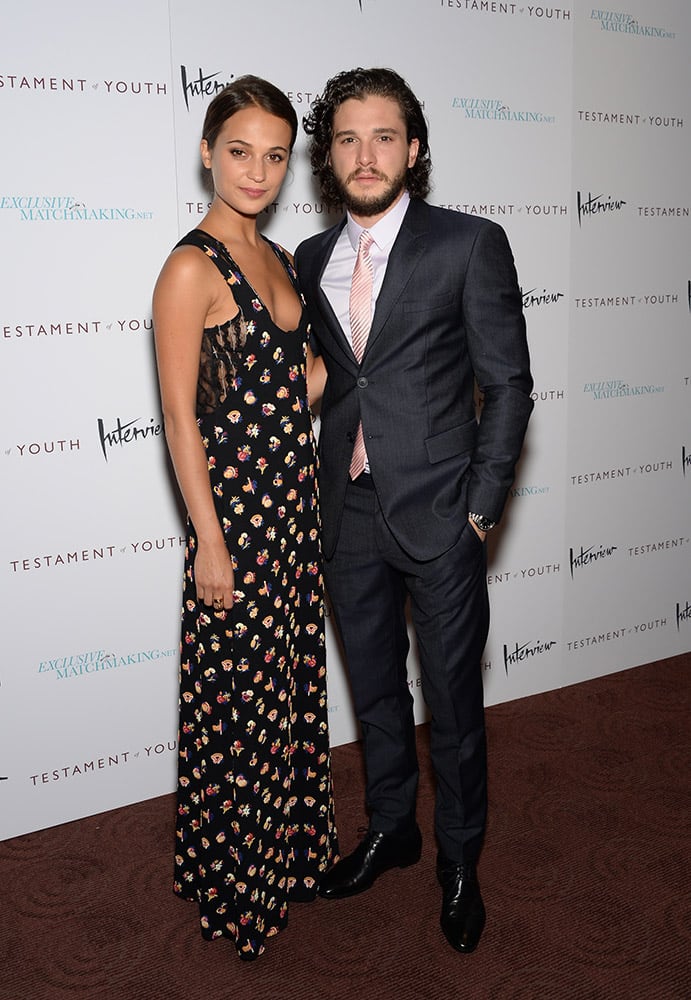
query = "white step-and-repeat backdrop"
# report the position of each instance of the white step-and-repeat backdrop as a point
(568, 125)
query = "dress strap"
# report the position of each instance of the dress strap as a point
(216, 251)
(284, 259)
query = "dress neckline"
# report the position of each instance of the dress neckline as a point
(231, 259)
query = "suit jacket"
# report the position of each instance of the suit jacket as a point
(449, 312)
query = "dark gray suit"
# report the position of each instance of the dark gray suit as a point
(449, 312)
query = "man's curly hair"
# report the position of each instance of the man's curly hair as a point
(359, 84)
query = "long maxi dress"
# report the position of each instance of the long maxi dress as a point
(255, 816)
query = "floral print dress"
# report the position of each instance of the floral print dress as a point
(255, 818)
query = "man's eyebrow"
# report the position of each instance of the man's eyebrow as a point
(377, 131)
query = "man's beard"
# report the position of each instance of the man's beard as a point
(368, 206)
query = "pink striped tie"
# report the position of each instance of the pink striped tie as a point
(360, 322)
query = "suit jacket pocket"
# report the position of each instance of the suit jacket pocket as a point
(427, 304)
(451, 442)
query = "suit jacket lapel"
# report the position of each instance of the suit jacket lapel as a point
(407, 250)
(331, 324)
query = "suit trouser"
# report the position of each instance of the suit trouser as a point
(368, 581)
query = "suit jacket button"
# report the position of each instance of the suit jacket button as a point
(362, 382)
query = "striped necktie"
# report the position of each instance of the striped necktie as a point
(360, 322)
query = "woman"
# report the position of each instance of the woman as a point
(255, 822)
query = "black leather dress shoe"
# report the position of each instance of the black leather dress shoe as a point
(375, 854)
(462, 909)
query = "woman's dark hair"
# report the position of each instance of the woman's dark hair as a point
(359, 84)
(246, 92)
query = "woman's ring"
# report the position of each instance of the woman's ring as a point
(218, 604)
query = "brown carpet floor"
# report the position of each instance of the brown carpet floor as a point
(585, 875)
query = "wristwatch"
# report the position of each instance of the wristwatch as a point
(482, 522)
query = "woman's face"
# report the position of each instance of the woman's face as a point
(249, 159)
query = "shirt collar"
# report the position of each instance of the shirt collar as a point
(383, 232)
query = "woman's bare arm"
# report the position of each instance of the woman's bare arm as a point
(183, 297)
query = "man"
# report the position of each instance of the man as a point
(407, 316)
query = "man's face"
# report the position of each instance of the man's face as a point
(370, 155)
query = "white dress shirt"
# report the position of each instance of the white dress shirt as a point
(338, 273)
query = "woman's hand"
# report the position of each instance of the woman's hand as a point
(213, 575)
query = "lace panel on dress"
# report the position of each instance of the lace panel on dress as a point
(221, 354)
